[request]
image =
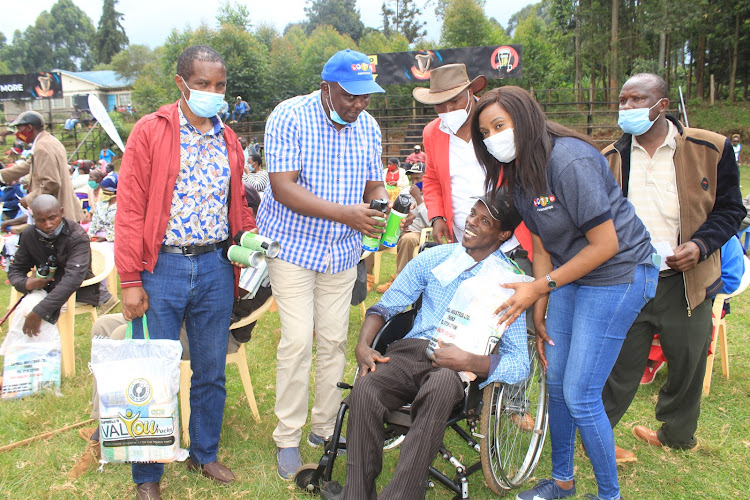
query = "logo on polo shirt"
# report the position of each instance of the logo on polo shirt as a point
(543, 201)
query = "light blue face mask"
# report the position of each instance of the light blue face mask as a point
(636, 121)
(452, 267)
(203, 104)
(332, 111)
(93, 184)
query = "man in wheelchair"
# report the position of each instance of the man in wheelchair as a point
(412, 372)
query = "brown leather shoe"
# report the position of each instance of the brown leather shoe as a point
(215, 471)
(523, 422)
(646, 435)
(86, 433)
(147, 491)
(623, 456)
(385, 286)
(87, 461)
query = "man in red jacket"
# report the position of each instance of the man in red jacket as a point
(453, 177)
(180, 200)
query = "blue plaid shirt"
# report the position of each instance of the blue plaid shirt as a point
(333, 165)
(199, 211)
(417, 278)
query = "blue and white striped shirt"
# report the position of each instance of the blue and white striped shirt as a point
(417, 278)
(333, 165)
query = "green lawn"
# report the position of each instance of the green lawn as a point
(719, 469)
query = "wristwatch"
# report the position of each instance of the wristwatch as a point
(432, 221)
(552, 284)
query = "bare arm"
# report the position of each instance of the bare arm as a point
(367, 357)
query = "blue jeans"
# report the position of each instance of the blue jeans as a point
(198, 289)
(588, 326)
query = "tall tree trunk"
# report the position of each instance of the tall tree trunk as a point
(690, 75)
(700, 68)
(733, 74)
(662, 50)
(668, 58)
(579, 89)
(613, 43)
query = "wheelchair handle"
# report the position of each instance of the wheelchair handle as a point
(343, 385)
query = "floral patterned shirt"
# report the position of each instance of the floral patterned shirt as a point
(199, 212)
(103, 219)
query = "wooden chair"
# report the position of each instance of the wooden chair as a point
(103, 267)
(719, 340)
(239, 358)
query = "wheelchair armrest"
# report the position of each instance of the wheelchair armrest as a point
(394, 329)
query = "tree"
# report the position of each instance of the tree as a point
(465, 25)
(235, 14)
(59, 39)
(400, 16)
(129, 62)
(266, 33)
(341, 14)
(110, 37)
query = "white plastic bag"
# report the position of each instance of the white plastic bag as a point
(138, 382)
(470, 321)
(31, 363)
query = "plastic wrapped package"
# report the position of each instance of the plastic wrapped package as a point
(138, 381)
(31, 363)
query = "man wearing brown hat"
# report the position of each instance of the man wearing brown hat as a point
(453, 177)
(48, 164)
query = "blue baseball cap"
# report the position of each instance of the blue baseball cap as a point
(351, 70)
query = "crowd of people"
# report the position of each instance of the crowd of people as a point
(496, 182)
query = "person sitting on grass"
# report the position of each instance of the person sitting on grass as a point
(409, 372)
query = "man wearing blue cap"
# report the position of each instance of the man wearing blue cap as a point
(323, 157)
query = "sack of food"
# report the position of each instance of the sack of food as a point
(31, 363)
(470, 321)
(138, 381)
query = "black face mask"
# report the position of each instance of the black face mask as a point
(53, 235)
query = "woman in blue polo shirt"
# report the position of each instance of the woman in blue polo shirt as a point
(593, 264)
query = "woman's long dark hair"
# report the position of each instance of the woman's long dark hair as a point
(533, 137)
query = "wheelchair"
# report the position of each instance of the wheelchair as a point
(489, 421)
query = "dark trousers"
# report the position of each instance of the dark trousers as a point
(684, 340)
(408, 376)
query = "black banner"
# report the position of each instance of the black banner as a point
(494, 62)
(30, 86)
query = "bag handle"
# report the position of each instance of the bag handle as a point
(129, 331)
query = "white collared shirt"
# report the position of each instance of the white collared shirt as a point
(467, 182)
(652, 189)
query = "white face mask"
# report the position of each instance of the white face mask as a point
(452, 121)
(502, 146)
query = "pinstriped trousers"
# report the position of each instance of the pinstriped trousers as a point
(408, 376)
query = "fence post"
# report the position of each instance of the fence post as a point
(713, 89)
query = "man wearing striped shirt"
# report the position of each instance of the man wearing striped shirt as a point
(323, 157)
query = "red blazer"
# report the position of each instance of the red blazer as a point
(436, 187)
(148, 174)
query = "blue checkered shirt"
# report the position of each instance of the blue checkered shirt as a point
(417, 278)
(333, 165)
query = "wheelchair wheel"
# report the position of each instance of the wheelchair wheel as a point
(511, 445)
(308, 478)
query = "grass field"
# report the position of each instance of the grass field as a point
(719, 469)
